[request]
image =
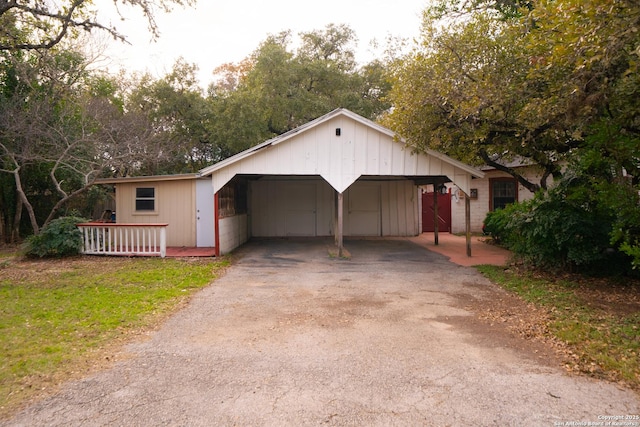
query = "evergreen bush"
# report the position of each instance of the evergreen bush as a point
(59, 238)
(567, 227)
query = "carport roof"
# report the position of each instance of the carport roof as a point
(341, 146)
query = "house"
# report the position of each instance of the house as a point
(338, 175)
(183, 201)
(495, 190)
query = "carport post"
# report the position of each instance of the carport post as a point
(467, 221)
(339, 228)
(435, 214)
(216, 223)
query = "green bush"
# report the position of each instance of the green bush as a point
(566, 228)
(59, 238)
(498, 224)
(590, 219)
(625, 202)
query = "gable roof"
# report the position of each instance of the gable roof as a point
(322, 147)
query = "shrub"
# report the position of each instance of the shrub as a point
(498, 224)
(567, 227)
(625, 202)
(563, 230)
(59, 238)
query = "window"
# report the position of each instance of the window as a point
(146, 199)
(504, 191)
(232, 198)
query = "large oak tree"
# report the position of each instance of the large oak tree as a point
(277, 88)
(547, 82)
(58, 132)
(489, 85)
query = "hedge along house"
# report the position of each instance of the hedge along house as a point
(338, 175)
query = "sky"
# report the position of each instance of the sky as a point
(214, 32)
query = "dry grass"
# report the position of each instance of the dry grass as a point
(593, 323)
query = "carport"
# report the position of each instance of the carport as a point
(339, 175)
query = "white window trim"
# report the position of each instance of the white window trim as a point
(154, 198)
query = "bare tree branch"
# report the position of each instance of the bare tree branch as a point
(34, 25)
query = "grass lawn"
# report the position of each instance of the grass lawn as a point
(597, 321)
(60, 319)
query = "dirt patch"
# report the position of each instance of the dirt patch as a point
(21, 269)
(618, 296)
(505, 320)
(608, 303)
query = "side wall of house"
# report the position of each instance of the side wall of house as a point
(174, 204)
(382, 208)
(233, 232)
(481, 205)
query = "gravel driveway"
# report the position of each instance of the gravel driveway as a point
(291, 336)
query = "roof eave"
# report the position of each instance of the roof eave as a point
(152, 178)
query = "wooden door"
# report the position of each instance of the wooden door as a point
(444, 212)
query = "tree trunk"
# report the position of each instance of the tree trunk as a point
(25, 203)
(2, 228)
(531, 186)
(64, 200)
(15, 230)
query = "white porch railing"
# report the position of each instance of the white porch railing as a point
(103, 238)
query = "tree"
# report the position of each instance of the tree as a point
(490, 88)
(503, 9)
(35, 24)
(276, 89)
(497, 84)
(61, 129)
(56, 133)
(463, 94)
(179, 114)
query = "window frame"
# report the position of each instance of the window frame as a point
(152, 199)
(232, 199)
(492, 181)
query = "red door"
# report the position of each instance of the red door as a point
(444, 212)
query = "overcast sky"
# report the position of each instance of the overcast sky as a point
(215, 32)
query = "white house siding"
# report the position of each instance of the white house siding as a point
(290, 206)
(233, 232)
(306, 207)
(481, 205)
(403, 218)
(174, 204)
(361, 149)
(363, 209)
(293, 182)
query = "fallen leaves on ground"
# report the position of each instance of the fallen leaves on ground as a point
(606, 300)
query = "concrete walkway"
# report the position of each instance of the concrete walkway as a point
(455, 248)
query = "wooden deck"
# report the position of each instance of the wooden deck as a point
(177, 252)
